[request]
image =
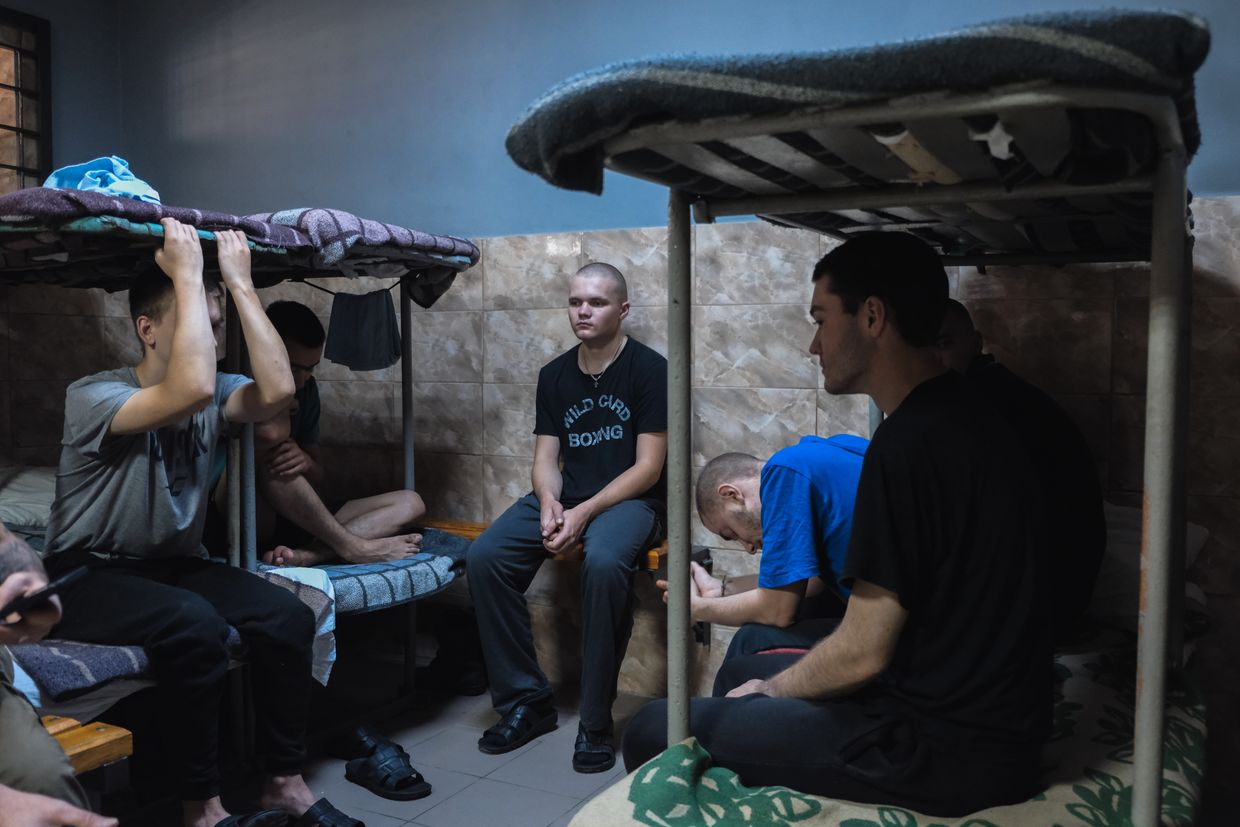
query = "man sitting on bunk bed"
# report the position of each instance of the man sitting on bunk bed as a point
(1065, 467)
(796, 509)
(293, 521)
(601, 408)
(934, 693)
(37, 783)
(131, 495)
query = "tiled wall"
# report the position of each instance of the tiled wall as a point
(1077, 332)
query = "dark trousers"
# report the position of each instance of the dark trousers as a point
(752, 638)
(501, 564)
(179, 610)
(857, 748)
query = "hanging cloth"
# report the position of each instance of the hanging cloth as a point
(363, 333)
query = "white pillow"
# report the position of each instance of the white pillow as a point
(26, 496)
(1116, 598)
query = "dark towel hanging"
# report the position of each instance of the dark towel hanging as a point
(363, 333)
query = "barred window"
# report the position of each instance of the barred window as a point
(25, 101)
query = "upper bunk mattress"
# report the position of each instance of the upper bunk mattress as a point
(85, 239)
(628, 116)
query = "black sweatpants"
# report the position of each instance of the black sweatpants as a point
(179, 610)
(857, 748)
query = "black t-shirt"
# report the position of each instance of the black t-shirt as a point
(598, 427)
(1071, 492)
(947, 517)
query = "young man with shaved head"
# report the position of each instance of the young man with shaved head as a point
(598, 479)
(934, 693)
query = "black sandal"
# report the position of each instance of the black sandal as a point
(518, 728)
(594, 751)
(386, 771)
(323, 814)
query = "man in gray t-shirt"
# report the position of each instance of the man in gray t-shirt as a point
(131, 496)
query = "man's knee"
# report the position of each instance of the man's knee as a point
(285, 618)
(646, 735)
(411, 506)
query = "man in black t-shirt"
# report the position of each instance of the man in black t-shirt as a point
(934, 693)
(1067, 474)
(598, 479)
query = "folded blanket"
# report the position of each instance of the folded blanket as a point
(561, 136)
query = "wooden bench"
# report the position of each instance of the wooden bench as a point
(470, 531)
(89, 746)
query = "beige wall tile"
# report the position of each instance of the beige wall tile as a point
(847, 414)
(1060, 345)
(360, 470)
(447, 346)
(447, 417)
(1216, 347)
(1034, 282)
(68, 301)
(504, 481)
(754, 346)
(529, 271)
(1213, 445)
(43, 347)
(465, 292)
(640, 254)
(519, 342)
(753, 262)
(450, 485)
(759, 421)
(508, 419)
(1216, 253)
(37, 417)
(648, 325)
(1217, 569)
(360, 413)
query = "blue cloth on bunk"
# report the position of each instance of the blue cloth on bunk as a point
(109, 175)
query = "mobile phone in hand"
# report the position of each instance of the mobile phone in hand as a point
(21, 605)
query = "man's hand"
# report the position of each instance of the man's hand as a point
(181, 255)
(233, 252)
(288, 460)
(30, 626)
(552, 518)
(753, 687)
(707, 585)
(695, 591)
(18, 809)
(573, 522)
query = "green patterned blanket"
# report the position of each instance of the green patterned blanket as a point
(1088, 775)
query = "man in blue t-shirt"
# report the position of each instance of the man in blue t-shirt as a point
(797, 509)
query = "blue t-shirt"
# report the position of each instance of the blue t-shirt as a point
(807, 492)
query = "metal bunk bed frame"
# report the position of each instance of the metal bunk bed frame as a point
(1162, 566)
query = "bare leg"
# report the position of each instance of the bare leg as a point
(288, 793)
(382, 515)
(297, 501)
(203, 813)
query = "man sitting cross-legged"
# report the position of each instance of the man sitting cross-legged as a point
(292, 518)
(131, 496)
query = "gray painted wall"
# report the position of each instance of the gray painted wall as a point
(398, 110)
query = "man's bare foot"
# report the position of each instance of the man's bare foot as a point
(384, 549)
(206, 813)
(288, 793)
(285, 556)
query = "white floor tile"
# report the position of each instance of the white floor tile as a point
(490, 802)
(549, 766)
(456, 748)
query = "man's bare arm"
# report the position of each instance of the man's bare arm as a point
(272, 389)
(772, 607)
(188, 385)
(853, 655)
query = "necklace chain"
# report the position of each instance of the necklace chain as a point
(599, 375)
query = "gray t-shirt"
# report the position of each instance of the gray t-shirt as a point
(136, 495)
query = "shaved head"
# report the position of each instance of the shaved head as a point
(601, 270)
(725, 468)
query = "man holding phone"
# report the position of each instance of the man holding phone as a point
(37, 785)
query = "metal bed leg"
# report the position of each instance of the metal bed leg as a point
(679, 473)
(410, 666)
(1164, 419)
(406, 377)
(232, 361)
(249, 505)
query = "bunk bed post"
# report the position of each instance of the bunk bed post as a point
(249, 502)
(1164, 415)
(232, 362)
(406, 376)
(679, 474)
